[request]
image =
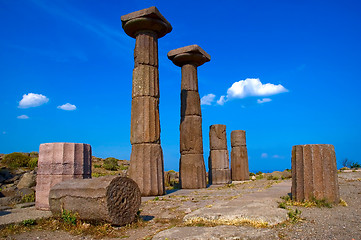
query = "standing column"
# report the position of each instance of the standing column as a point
(314, 173)
(239, 156)
(191, 167)
(147, 167)
(218, 161)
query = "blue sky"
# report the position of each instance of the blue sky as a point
(73, 60)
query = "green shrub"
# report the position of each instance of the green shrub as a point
(355, 165)
(97, 166)
(69, 217)
(259, 173)
(28, 222)
(33, 163)
(16, 160)
(28, 198)
(271, 177)
(294, 215)
(111, 164)
(123, 167)
(252, 174)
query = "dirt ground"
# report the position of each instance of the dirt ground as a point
(165, 212)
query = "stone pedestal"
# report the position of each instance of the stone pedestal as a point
(218, 161)
(60, 162)
(239, 156)
(146, 168)
(314, 173)
(191, 167)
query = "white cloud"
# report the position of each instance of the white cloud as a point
(264, 100)
(208, 99)
(264, 155)
(277, 156)
(67, 107)
(221, 100)
(22, 117)
(32, 100)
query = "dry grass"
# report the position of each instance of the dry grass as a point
(199, 221)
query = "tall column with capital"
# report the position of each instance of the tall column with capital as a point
(146, 160)
(191, 167)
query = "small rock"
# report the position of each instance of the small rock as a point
(253, 178)
(28, 180)
(188, 210)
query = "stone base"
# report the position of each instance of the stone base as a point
(219, 176)
(147, 168)
(314, 173)
(192, 171)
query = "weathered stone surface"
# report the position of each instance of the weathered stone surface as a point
(44, 184)
(314, 173)
(28, 180)
(219, 176)
(191, 141)
(112, 199)
(192, 171)
(145, 125)
(218, 159)
(192, 54)
(145, 81)
(217, 137)
(64, 158)
(147, 168)
(189, 78)
(239, 164)
(190, 103)
(238, 138)
(148, 19)
(146, 49)
(171, 178)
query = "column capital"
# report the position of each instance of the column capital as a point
(192, 54)
(144, 20)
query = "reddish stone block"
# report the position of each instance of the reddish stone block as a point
(219, 176)
(217, 137)
(238, 138)
(190, 103)
(191, 141)
(239, 164)
(147, 168)
(192, 171)
(218, 159)
(314, 173)
(145, 81)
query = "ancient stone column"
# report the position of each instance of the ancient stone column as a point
(113, 199)
(147, 167)
(60, 162)
(191, 166)
(218, 161)
(239, 156)
(314, 173)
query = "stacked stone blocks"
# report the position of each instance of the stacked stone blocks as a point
(147, 167)
(191, 166)
(314, 173)
(239, 156)
(218, 161)
(60, 162)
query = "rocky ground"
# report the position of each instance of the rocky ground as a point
(162, 217)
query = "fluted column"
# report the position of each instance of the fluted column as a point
(239, 156)
(218, 161)
(146, 160)
(191, 166)
(314, 173)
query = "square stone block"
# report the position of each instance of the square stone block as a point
(147, 168)
(218, 137)
(238, 138)
(45, 182)
(191, 141)
(220, 176)
(190, 103)
(189, 78)
(145, 126)
(192, 171)
(145, 81)
(218, 159)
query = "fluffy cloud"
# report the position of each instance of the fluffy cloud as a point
(221, 100)
(264, 100)
(67, 107)
(32, 100)
(207, 99)
(264, 155)
(22, 117)
(253, 87)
